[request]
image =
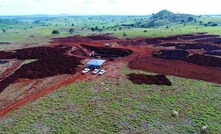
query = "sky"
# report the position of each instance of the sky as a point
(108, 7)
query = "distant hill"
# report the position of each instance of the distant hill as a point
(166, 17)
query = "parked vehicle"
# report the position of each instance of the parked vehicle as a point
(86, 70)
(96, 71)
(102, 72)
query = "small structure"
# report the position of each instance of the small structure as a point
(91, 53)
(107, 45)
(95, 63)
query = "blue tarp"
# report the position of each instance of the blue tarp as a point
(95, 63)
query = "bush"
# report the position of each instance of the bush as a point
(55, 32)
(71, 31)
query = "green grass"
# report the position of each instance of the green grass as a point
(162, 31)
(88, 107)
(27, 32)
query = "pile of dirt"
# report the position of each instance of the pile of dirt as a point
(107, 52)
(3, 61)
(168, 38)
(215, 53)
(50, 61)
(210, 40)
(197, 36)
(35, 53)
(186, 46)
(73, 39)
(203, 60)
(152, 41)
(149, 79)
(101, 37)
(171, 54)
(78, 38)
(140, 42)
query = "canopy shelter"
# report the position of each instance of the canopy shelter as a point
(95, 63)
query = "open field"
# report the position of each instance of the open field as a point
(150, 72)
(112, 105)
(32, 30)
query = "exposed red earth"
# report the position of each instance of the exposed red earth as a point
(194, 56)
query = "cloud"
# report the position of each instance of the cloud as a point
(137, 7)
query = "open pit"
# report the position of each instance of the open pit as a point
(108, 52)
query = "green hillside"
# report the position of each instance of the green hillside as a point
(166, 17)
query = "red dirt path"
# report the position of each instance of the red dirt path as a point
(39, 94)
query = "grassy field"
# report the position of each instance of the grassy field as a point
(119, 106)
(39, 30)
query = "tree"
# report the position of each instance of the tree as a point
(124, 34)
(55, 32)
(190, 19)
(95, 29)
(72, 24)
(92, 29)
(3, 30)
(71, 31)
(145, 31)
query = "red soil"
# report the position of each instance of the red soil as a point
(65, 54)
(176, 68)
(51, 61)
(38, 94)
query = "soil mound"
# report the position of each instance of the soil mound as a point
(50, 61)
(171, 54)
(186, 46)
(149, 79)
(73, 39)
(35, 53)
(3, 61)
(210, 40)
(101, 37)
(215, 53)
(198, 36)
(204, 60)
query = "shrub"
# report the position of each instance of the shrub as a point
(55, 32)
(71, 31)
